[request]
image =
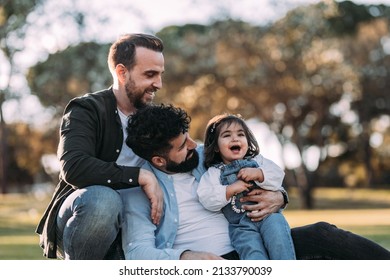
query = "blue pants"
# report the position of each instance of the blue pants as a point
(88, 225)
(264, 240)
(269, 239)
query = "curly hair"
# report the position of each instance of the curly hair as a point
(151, 129)
(212, 132)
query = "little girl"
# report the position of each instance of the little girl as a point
(234, 168)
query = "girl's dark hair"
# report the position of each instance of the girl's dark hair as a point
(123, 50)
(151, 129)
(213, 130)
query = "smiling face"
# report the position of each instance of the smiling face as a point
(232, 142)
(182, 157)
(145, 79)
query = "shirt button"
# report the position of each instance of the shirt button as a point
(117, 151)
(175, 220)
(130, 180)
(109, 181)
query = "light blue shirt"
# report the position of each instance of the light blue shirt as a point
(143, 240)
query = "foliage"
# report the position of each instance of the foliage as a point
(71, 73)
(305, 76)
(317, 77)
(25, 147)
(12, 30)
(17, 168)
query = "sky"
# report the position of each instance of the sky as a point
(47, 34)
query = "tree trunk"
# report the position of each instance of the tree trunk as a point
(3, 153)
(367, 155)
(304, 187)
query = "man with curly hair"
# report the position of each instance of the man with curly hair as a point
(159, 134)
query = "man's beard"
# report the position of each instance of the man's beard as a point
(184, 166)
(135, 96)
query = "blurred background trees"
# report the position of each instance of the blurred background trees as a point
(318, 77)
(12, 32)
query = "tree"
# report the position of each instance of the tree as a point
(12, 31)
(296, 75)
(15, 24)
(25, 149)
(309, 76)
(70, 73)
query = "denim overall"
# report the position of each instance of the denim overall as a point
(233, 211)
(268, 239)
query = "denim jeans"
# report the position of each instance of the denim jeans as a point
(88, 225)
(267, 239)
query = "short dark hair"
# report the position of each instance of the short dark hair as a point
(122, 51)
(212, 132)
(151, 129)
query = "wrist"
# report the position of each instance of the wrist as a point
(230, 191)
(285, 198)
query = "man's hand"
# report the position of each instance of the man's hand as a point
(267, 202)
(194, 255)
(152, 189)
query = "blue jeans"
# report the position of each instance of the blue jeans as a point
(269, 239)
(264, 240)
(88, 225)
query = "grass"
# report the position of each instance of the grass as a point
(364, 212)
(19, 215)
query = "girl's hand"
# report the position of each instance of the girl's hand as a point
(251, 174)
(237, 187)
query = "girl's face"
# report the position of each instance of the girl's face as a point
(232, 142)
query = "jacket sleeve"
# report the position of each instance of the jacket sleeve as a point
(211, 193)
(87, 155)
(138, 231)
(273, 174)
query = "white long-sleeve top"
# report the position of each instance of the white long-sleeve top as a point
(212, 194)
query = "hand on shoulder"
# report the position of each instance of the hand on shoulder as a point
(153, 191)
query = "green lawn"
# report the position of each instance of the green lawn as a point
(19, 215)
(365, 212)
(362, 211)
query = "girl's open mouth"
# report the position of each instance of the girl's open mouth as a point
(235, 148)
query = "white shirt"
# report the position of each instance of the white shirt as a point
(199, 229)
(127, 157)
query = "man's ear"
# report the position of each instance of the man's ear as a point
(120, 71)
(159, 161)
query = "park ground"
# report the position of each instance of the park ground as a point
(362, 211)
